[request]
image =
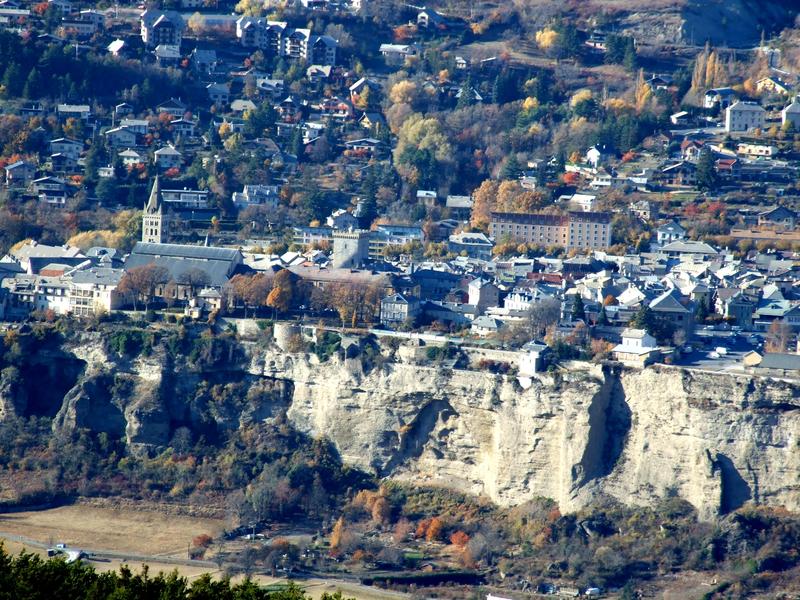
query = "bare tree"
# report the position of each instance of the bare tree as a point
(541, 315)
(193, 278)
(142, 282)
(778, 336)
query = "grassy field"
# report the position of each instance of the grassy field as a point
(141, 532)
(147, 533)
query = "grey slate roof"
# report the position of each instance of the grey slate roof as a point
(185, 251)
(778, 360)
(98, 275)
(217, 263)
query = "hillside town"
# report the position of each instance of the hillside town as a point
(305, 173)
(404, 301)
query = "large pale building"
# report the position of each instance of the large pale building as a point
(278, 39)
(161, 28)
(744, 116)
(573, 230)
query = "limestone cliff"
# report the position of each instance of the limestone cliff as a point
(580, 434)
(716, 440)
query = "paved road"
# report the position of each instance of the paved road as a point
(736, 345)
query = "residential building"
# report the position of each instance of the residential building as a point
(219, 94)
(484, 325)
(19, 173)
(50, 190)
(130, 157)
(758, 150)
(573, 230)
(310, 236)
(78, 27)
(473, 245)
(186, 199)
(204, 60)
(174, 107)
(791, 114)
(362, 86)
(67, 146)
(670, 232)
(682, 174)
(117, 47)
(276, 38)
(779, 217)
(397, 309)
(159, 28)
(397, 53)
(638, 348)
(598, 155)
(744, 116)
(167, 158)
(183, 128)
(167, 55)
(772, 85)
(428, 18)
(120, 137)
(722, 97)
(389, 235)
(137, 126)
(73, 111)
(460, 207)
(365, 148)
(95, 291)
(669, 307)
(261, 195)
(482, 294)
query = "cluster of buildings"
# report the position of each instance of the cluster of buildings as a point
(278, 39)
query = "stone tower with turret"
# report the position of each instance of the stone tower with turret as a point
(154, 221)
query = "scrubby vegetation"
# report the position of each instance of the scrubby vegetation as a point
(234, 450)
(29, 576)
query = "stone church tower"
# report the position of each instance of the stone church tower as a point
(155, 223)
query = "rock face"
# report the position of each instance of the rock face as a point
(730, 23)
(716, 440)
(581, 434)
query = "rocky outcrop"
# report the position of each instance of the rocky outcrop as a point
(717, 440)
(729, 23)
(576, 436)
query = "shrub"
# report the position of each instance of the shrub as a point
(130, 342)
(326, 345)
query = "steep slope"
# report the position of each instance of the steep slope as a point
(734, 23)
(578, 435)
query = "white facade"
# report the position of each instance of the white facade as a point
(281, 40)
(791, 114)
(744, 116)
